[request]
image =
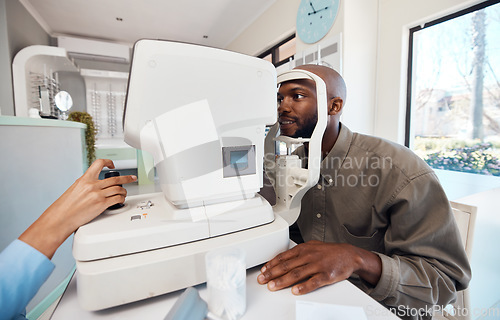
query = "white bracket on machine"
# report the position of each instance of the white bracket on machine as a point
(289, 178)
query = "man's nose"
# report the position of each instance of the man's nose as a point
(284, 106)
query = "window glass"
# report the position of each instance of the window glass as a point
(286, 50)
(455, 93)
(269, 58)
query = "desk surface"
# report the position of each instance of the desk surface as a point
(261, 303)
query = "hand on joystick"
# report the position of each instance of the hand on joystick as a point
(110, 174)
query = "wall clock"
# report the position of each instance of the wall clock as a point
(315, 18)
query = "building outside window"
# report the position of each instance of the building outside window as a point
(453, 101)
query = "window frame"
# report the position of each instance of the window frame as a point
(274, 51)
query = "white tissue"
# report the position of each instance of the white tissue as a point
(226, 283)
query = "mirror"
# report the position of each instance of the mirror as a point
(63, 102)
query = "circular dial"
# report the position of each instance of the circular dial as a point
(315, 18)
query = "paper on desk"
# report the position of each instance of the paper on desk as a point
(307, 310)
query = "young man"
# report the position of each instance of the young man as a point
(378, 215)
(25, 264)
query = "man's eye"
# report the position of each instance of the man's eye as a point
(280, 100)
(299, 96)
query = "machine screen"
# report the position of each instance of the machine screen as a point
(239, 159)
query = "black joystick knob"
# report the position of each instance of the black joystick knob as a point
(110, 174)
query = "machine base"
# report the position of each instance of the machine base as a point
(149, 221)
(115, 281)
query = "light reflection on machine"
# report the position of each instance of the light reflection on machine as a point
(201, 112)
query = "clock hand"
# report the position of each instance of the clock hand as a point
(325, 8)
(314, 11)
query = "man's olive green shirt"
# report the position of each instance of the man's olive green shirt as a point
(380, 196)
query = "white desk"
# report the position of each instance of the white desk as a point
(261, 303)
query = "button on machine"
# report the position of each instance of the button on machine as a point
(145, 205)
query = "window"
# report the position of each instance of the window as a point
(280, 53)
(453, 99)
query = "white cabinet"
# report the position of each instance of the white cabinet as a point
(36, 67)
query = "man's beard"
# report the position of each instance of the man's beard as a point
(307, 129)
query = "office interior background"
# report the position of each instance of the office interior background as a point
(421, 73)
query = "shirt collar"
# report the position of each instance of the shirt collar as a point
(336, 156)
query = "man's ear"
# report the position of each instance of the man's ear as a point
(335, 106)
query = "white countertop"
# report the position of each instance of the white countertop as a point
(261, 303)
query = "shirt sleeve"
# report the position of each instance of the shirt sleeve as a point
(23, 271)
(425, 261)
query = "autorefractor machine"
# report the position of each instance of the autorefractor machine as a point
(202, 114)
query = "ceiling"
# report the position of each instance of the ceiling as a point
(214, 23)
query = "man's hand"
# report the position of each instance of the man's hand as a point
(314, 264)
(83, 201)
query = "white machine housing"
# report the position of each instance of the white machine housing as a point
(201, 112)
(286, 172)
(184, 106)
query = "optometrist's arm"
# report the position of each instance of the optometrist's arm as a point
(25, 264)
(83, 201)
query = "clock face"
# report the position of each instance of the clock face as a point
(315, 18)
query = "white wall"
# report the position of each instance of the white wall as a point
(18, 29)
(359, 63)
(274, 25)
(6, 96)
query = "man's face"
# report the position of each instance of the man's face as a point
(297, 109)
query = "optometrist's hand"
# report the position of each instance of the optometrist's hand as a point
(84, 200)
(314, 264)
